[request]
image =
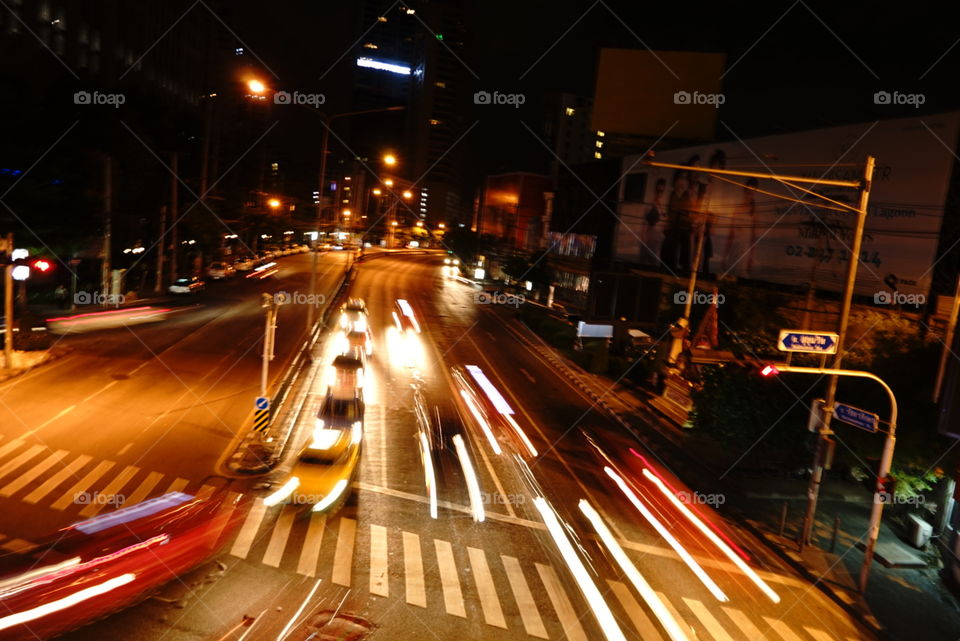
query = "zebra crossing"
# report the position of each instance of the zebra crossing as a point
(78, 484)
(467, 581)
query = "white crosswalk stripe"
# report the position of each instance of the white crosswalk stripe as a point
(70, 496)
(413, 570)
(144, 489)
(819, 635)
(561, 603)
(743, 622)
(310, 554)
(782, 629)
(10, 446)
(248, 531)
(68, 471)
(449, 579)
(709, 621)
(29, 476)
(343, 557)
(379, 572)
(178, 485)
(489, 603)
(278, 539)
(643, 624)
(529, 614)
(10, 466)
(110, 495)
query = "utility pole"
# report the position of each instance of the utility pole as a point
(316, 254)
(105, 280)
(823, 431)
(174, 164)
(163, 231)
(8, 303)
(269, 333)
(947, 343)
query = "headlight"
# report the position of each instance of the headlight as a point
(357, 433)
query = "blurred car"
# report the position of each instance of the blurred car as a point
(345, 375)
(353, 315)
(263, 269)
(404, 318)
(243, 264)
(219, 270)
(324, 467)
(360, 339)
(191, 285)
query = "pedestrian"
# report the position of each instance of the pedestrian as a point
(60, 293)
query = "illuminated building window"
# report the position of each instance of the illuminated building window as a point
(434, 121)
(599, 144)
(600, 134)
(370, 45)
(382, 19)
(597, 155)
(441, 84)
(570, 111)
(274, 167)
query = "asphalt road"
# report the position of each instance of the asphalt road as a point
(383, 563)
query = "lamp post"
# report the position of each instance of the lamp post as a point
(327, 121)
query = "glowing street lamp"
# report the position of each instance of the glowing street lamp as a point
(390, 159)
(388, 182)
(408, 194)
(274, 203)
(376, 191)
(257, 87)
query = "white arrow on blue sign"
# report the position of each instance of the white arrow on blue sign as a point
(262, 403)
(857, 417)
(812, 342)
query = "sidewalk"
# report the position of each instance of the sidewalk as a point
(906, 599)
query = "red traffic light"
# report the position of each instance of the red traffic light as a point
(42, 265)
(769, 370)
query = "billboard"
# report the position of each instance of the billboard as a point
(649, 93)
(752, 235)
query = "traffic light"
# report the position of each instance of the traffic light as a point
(42, 266)
(769, 370)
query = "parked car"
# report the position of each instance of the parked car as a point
(243, 264)
(191, 285)
(220, 270)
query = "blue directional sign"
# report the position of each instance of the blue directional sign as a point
(857, 417)
(811, 342)
(262, 403)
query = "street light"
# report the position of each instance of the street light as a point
(376, 191)
(274, 203)
(327, 120)
(255, 86)
(408, 194)
(388, 182)
(389, 159)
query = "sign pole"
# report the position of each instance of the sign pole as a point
(824, 432)
(8, 307)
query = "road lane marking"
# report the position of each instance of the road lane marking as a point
(310, 553)
(529, 613)
(206, 491)
(566, 615)
(278, 539)
(99, 391)
(708, 620)
(144, 488)
(59, 415)
(28, 476)
(248, 532)
(70, 496)
(496, 481)
(178, 485)
(20, 460)
(782, 629)
(18, 546)
(343, 557)
(746, 626)
(486, 589)
(124, 449)
(528, 375)
(110, 493)
(379, 569)
(382, 437)
(9, 447)
(452, 596)
(648, 631)
(413, 570)
(51, 483)
(819, 635)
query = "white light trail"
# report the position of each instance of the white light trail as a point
(481, 421)
(470, 476)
